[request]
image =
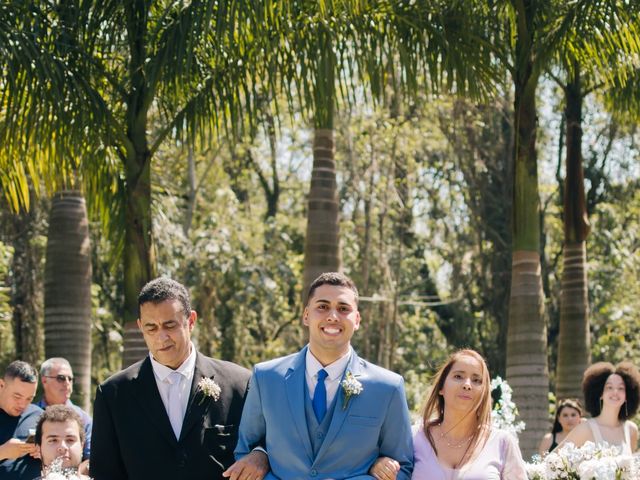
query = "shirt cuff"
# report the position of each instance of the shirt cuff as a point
(260, 449)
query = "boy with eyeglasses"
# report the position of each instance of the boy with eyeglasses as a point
(57, 385)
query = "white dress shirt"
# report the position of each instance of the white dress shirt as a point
(163, 377)
(334, 370)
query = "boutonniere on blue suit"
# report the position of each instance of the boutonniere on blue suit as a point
(209, 388)
(351, 387)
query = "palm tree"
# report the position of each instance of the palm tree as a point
(319, 52)
(574, 339)
(322, 241)
(101, 72)
(540, 30)
(619, 79)
(67, 299)
(377, 41)
(527, 369)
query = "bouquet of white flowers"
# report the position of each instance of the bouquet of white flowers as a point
(504, 412)
(56, 471)
(589, 462)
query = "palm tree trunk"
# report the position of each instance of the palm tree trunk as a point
(322, 241)
(139, 252)
(527, 369)
(574, 345)
(322, 244)
(67, 290)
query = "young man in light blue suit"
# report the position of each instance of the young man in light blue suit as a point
(325, 413)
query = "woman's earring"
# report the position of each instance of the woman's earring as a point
(626, 411)
(600, 406)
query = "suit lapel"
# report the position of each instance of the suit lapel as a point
(199, 404)
(146, 391)
(294, 387)
(339, 412)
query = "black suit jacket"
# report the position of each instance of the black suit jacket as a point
(132, 437)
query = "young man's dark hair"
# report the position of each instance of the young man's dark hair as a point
(164, 288)
(59, 414)
(22, 371)
(336, 279)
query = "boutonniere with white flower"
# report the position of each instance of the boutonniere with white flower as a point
(209, 388)
(351, 387)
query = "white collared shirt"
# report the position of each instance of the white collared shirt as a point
(186, 371)
(334, 370)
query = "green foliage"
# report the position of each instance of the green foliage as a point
(7, 346)
(107, 306)
(611, 179)
(424, 232)
(242, 265)
(615, 269)
(425, 181)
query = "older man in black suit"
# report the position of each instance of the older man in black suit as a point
(175, 414)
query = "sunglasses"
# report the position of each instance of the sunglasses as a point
(61, 378)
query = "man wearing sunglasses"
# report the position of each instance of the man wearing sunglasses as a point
(57, 385)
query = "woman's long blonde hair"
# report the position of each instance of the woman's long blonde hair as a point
(433, 412)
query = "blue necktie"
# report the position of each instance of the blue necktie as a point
(320, 397)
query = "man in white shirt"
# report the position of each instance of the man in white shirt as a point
(174, 414)
(324, 412)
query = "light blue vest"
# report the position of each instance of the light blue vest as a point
(317, 432)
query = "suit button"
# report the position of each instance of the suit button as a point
(314, 472)
(320, 435)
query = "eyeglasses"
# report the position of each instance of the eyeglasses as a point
(61, 378)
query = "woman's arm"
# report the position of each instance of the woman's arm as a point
(578, 436)
(514, 467)
(545, 443)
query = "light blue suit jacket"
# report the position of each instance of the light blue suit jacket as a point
(374, 423)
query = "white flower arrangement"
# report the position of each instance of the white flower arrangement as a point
(209, 388)
(589, 462)
(504, 413)
(55, 471)
(61, 476)
(351, 387)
